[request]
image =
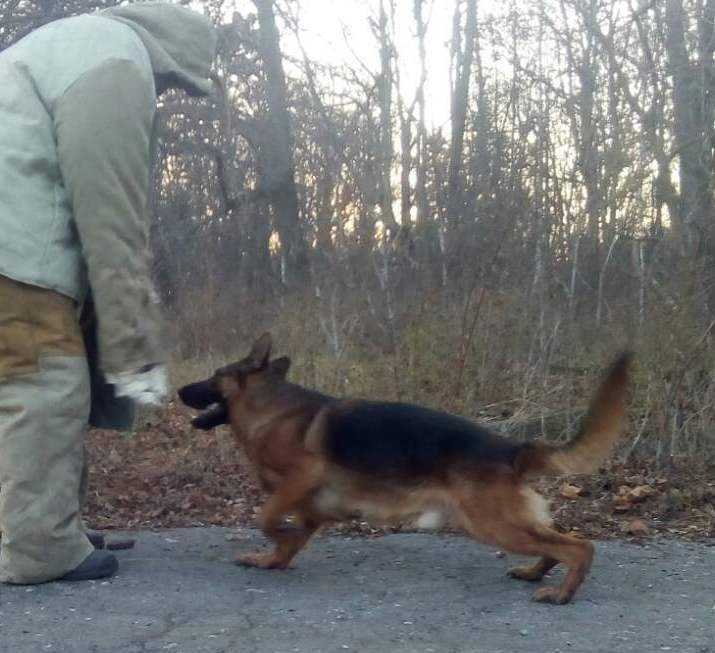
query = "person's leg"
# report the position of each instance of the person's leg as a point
(44, 406)
(83, 481)
(97, 539)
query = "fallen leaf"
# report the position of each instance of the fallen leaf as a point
(571, 491)
(637, 527)
(622, 503)
(640, 493)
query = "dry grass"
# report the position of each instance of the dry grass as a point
(487, 361)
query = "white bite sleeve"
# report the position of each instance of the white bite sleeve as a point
(149, 387)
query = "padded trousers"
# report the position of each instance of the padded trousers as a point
(44, 408)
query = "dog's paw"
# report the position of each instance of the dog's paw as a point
(529, 573)
(260, 561)
(553, 595)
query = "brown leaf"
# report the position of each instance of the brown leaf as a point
(637, 527)
(640, 493)
(569, 491)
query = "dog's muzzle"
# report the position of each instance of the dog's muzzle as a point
(199, 395)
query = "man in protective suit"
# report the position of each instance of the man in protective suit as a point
(77, 112)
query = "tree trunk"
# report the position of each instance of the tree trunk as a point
(404, 116)
(693, 114)
(278, 175)
(460, 97)
(421, 163)
(384, 90)
(589, 155)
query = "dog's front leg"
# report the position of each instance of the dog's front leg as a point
(292, 495)
(287, 542)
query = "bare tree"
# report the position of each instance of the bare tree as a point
(278, 174)
(463, 58)
(693, 78)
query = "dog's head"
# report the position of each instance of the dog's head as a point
(228, 383)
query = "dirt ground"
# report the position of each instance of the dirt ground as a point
(168, 475)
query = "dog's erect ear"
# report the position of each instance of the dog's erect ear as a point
(261, 351)
(280, 366)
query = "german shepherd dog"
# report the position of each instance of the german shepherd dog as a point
(322, 459)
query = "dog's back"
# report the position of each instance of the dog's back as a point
(406, 442)
(412, 443)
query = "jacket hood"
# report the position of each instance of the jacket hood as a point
(181, 43)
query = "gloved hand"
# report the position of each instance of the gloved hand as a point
(147, 386)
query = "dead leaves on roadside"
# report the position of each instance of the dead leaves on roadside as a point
(636, 501)
(628, 496)
(570, 491)
(636, 527)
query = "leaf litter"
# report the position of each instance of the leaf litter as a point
(169, 475)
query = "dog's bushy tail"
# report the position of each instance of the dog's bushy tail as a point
(600, 429)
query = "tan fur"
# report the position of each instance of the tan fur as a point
(282, 429)
(601, 428)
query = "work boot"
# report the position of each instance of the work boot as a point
(97, 539)
(98, 564)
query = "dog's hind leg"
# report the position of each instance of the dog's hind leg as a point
(502, 515)
(575, 554)
(534, 572)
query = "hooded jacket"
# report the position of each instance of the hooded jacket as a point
(76, 116)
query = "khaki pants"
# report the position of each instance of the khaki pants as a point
(44, 407)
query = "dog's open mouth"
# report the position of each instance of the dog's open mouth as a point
(202, 396)
(213, 416)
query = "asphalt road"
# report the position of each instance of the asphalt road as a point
(178, 591)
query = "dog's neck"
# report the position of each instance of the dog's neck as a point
(262, 402)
